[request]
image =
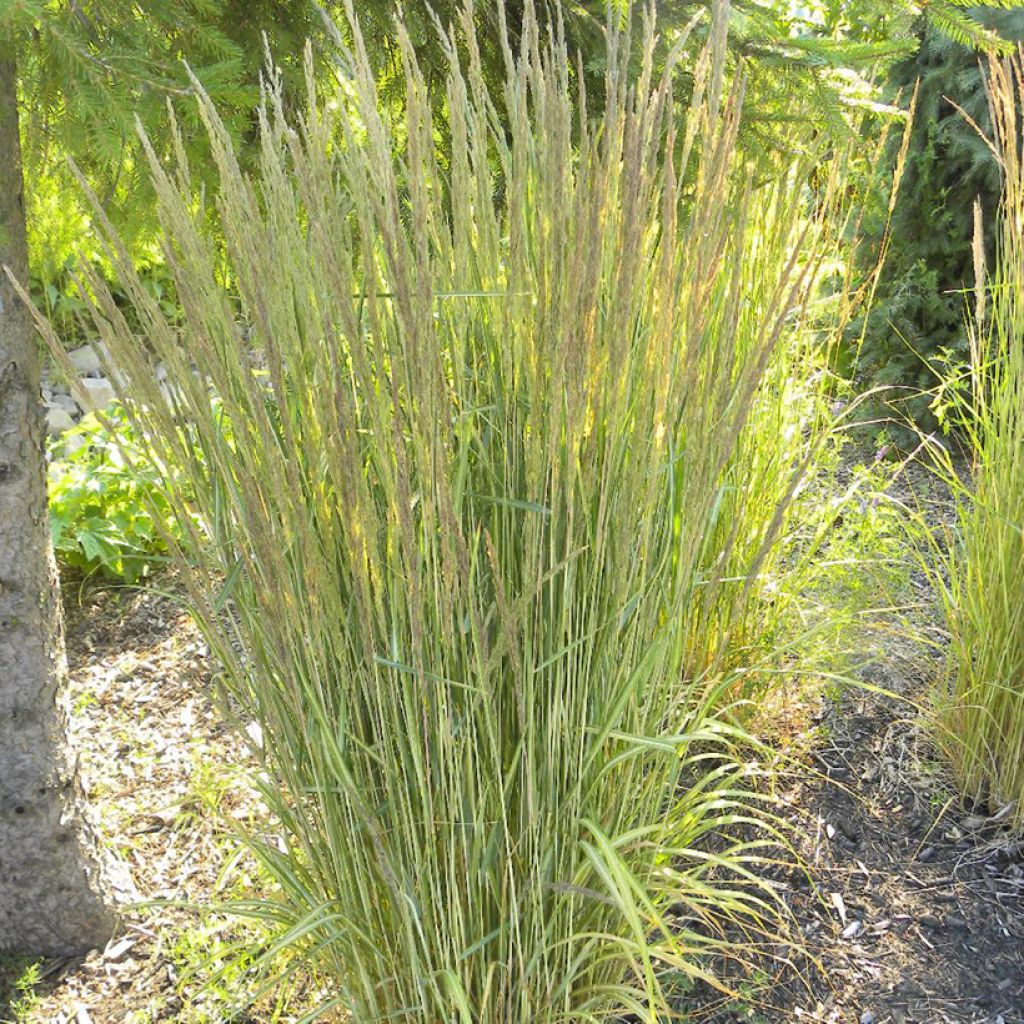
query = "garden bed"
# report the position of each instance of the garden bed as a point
(910, 907)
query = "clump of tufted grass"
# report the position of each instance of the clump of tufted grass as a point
(981, 702)
(452, 501)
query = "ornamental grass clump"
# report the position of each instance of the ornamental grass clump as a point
(446, 439)
(982, 704)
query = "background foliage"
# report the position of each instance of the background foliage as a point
(104, 510)
(88, 69)
(916, 332)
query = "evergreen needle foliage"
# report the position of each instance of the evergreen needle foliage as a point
(984, 599)
(451, 500)
(915, 328)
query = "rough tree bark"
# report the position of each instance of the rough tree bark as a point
(50, 885)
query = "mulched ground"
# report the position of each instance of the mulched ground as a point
(911, 910)
(153, 757)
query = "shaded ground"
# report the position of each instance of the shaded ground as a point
(913, 908)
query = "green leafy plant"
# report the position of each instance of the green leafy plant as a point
(103, 508)
(448, 509)
(19, 977)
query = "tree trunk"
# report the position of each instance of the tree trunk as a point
(50, 886)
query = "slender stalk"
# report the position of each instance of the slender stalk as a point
(982, 703)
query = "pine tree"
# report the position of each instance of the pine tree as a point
(50, 893)
(88, 68)
(918, 322)
(797, 59)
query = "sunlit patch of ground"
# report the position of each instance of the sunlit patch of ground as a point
(164, 778)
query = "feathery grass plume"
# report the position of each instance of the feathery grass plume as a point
(445, 499)
(982, 702)
(766, 554)
(738, 611)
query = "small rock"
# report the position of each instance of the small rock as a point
(852, 930)
(927, 854)
(57, 421)
(85, 360)
(117, 951)
(867, 1017)
(840, 905)
(67, 403)
(255, 734)
(850, 830)
(96, 392)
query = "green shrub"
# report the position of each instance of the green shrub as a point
(451, 506)
(916, 323)
(982, 705)
(102, 507)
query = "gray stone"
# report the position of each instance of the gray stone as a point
(86, 360)
(57, 421)
(95, 393)
(67, 403)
